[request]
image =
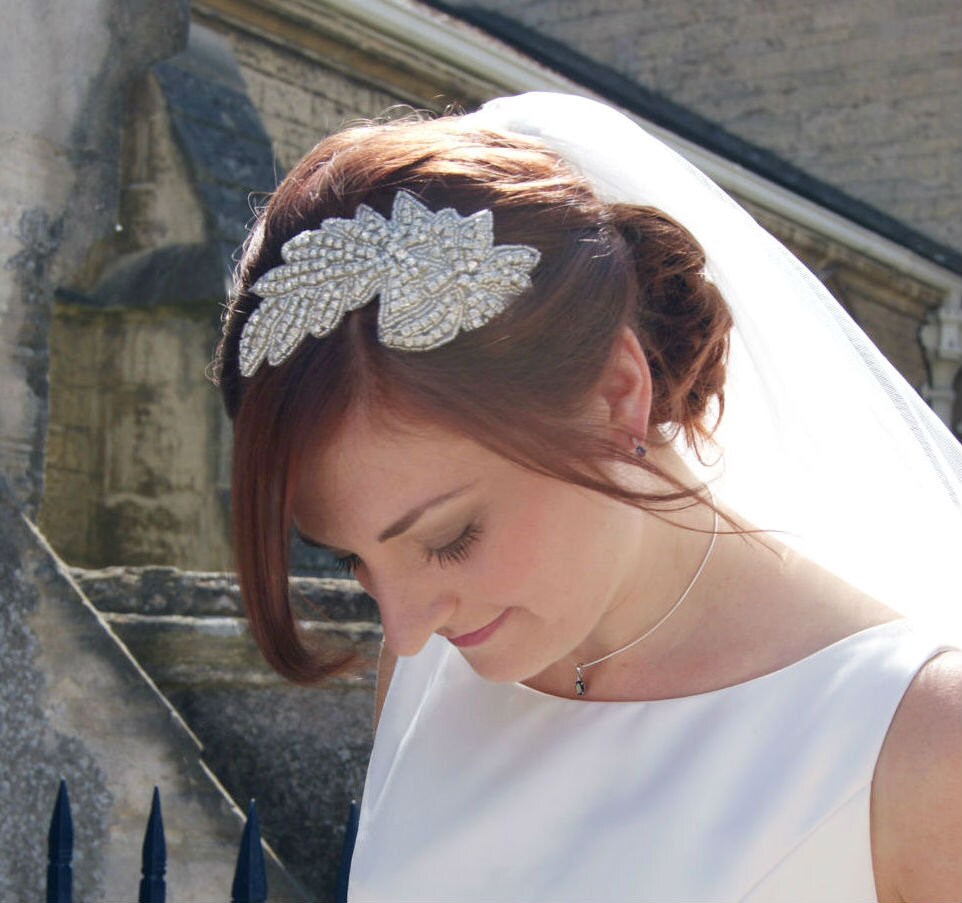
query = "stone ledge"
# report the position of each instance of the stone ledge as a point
(169, 591)
(178, 651)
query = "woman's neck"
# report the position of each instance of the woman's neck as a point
(654, 561)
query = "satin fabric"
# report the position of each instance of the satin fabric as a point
(480, 792)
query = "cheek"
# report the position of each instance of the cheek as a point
(533, 556)
(512, 565)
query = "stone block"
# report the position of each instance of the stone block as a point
(136, 432)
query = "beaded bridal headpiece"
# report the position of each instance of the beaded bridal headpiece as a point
(436, 274)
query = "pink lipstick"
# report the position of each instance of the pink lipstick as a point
(479, 636)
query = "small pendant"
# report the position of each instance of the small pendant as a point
(580, 682)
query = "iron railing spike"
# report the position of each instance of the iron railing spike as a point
(347, 853)
(60, 850)
(250, 877)
(153, 885)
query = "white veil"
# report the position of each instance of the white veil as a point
(821, 438)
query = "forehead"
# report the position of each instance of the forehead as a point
(374, 469)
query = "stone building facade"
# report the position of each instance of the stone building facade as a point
(154, 491)
(861, 94)
(119, 230)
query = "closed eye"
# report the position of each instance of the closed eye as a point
(454, 551)
(457, 550)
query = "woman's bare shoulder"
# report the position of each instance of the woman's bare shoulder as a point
(917, 790)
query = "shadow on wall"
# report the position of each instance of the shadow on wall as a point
(76, 705)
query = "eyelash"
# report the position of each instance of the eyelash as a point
(454, 551)
(347, 564)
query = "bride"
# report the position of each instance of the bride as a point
(642, 510)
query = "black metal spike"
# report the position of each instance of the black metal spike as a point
(153, 886)
(250, 878)
(60, 850)
(347, 853)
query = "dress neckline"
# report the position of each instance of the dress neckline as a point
(895, 626)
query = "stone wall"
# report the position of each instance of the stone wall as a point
(862, 94)
(137, 445)
(65, 74)
(73, 702)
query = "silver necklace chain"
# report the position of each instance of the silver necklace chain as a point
(580, 687)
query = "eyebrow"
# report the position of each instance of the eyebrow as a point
(406, 521)
(403, 523)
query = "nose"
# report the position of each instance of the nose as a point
(410, 614)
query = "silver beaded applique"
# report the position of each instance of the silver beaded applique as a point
(436, 274)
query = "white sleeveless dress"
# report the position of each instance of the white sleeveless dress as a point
(495, 793)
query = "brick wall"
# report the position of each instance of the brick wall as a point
(864, 94)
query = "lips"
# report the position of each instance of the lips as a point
(479, 636)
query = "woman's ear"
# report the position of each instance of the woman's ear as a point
(625, 387)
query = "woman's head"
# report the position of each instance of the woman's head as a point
(518, 386)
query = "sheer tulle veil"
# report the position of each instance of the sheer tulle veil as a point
(822, 439)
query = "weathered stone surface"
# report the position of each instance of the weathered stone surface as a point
(169, 591)
(74, 704)
(137, 444)
(59, 180)
(180, 651)
(185, 275)
(301, 752)
(31, 236)
(135, 472)
(299, 99)
(221, 134)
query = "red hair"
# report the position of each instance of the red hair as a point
(516, 385)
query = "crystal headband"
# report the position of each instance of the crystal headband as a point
(436, 274)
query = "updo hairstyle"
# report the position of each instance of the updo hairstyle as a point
(517, 385)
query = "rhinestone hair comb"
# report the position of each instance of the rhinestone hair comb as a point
(436, 274)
